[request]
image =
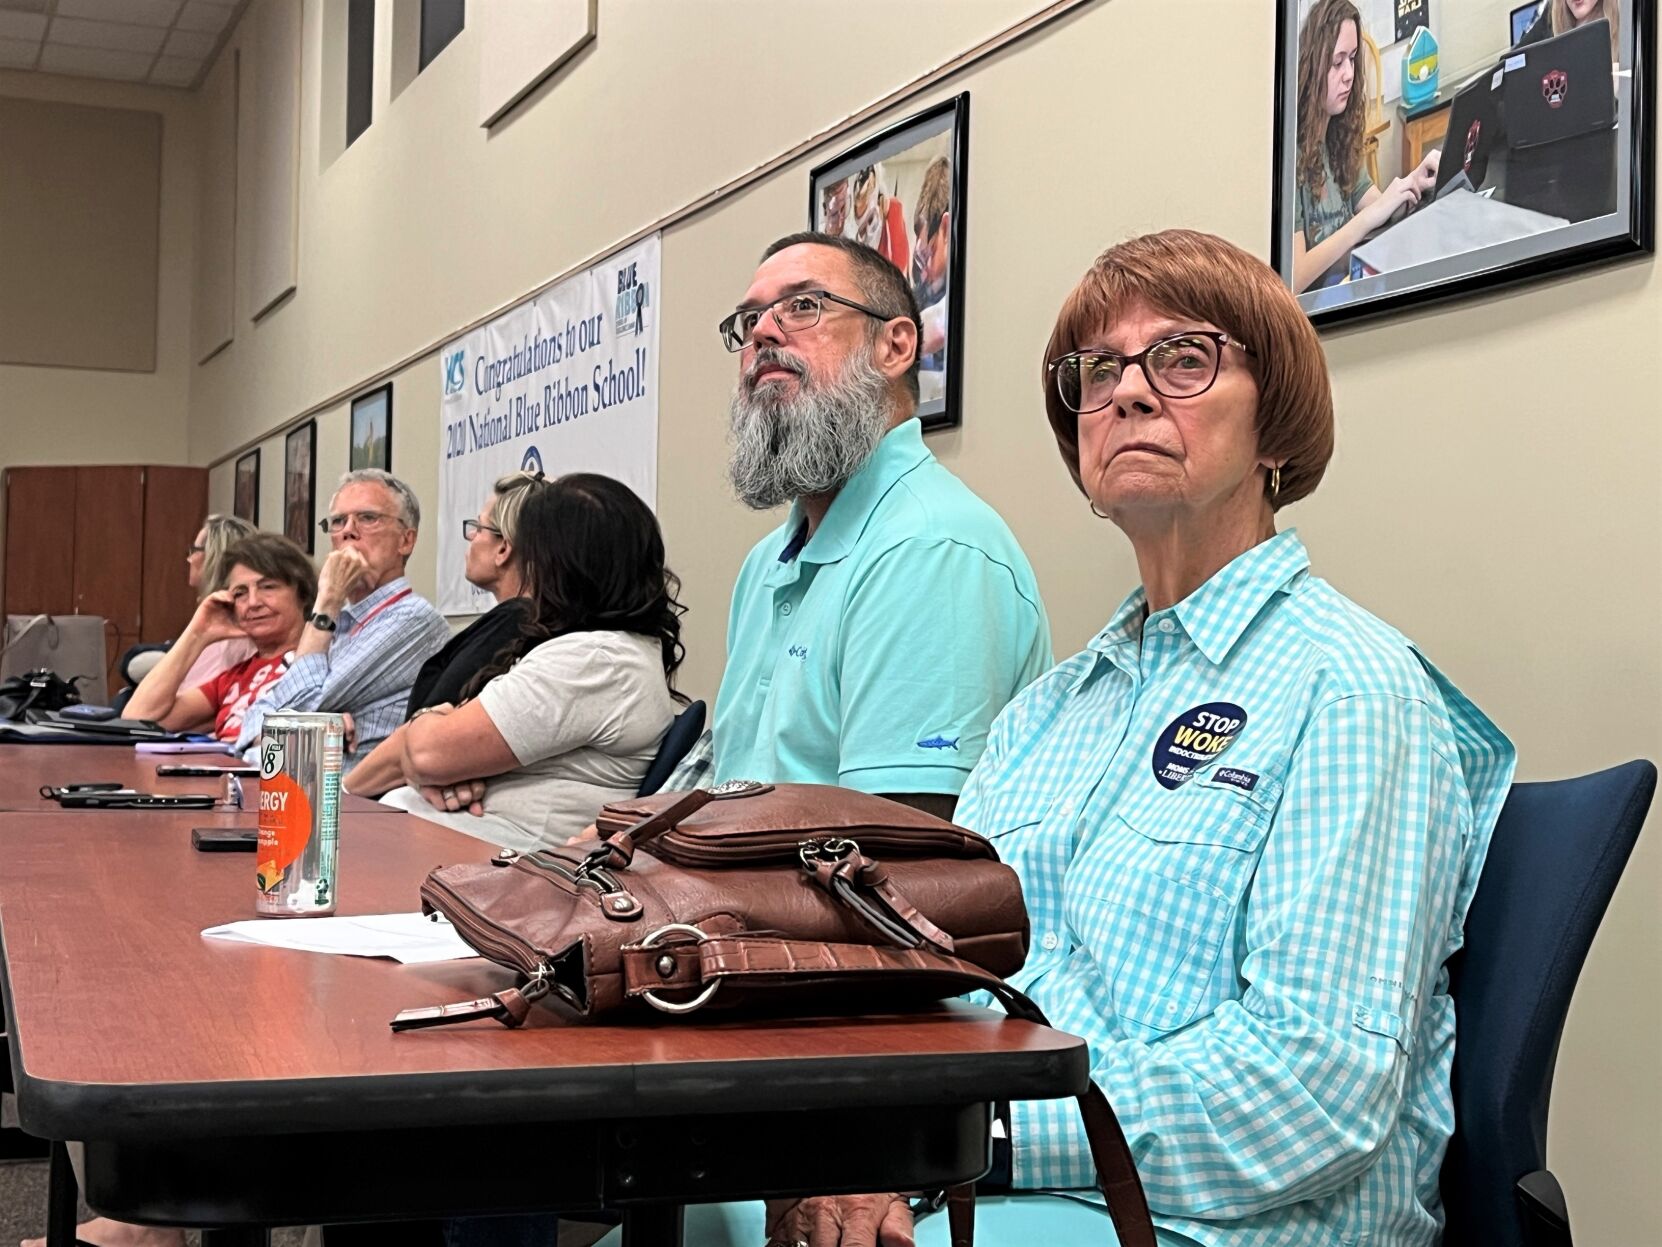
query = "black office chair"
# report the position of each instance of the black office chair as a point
(1557, 852)
(135, 664)
(680, 738)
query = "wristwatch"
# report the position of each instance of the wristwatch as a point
(322, 622)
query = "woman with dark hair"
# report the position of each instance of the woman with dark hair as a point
(570, 714)
(1336, 204)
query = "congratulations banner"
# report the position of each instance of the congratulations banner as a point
(567, 382)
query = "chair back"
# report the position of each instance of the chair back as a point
(677, 741)
(1375, 123)
(1557, 852)
(134, 665)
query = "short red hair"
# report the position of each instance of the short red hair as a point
(1186, 274)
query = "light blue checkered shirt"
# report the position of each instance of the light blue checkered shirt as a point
(1252, 940)
(366, 671)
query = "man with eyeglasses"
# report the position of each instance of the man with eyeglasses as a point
(369, 631)
(874, 635)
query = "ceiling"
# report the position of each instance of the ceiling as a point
(170, 43)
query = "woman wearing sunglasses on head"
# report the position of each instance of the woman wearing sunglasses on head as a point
(570, 713)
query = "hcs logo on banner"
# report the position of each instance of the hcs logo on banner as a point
(455, 372)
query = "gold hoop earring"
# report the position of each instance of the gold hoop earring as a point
(1095, 512)
(1275, 482)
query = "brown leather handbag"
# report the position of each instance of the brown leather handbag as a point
(753, 892)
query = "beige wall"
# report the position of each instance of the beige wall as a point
(71, 415)
(1489, 462)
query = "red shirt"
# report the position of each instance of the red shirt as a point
(233, 690)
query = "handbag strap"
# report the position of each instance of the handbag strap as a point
(618, 849)
(771, 959)
(24, 631)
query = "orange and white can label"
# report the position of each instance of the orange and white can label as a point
(285, 827)
(299, 813)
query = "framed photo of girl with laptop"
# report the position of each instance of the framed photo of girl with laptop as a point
(1499, 144)
(902, 192)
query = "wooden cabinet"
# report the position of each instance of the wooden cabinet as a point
(107, 541)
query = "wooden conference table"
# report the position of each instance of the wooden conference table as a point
(236, 1087)
(25, 769)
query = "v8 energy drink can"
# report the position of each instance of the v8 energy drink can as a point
(300, 763)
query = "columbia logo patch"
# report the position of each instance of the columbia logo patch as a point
(1246, 781)
(940, 742)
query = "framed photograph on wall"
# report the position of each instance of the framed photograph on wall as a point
(300, 484)
(903, 192)
(245, 490)
(372, 430)
(1497, 145)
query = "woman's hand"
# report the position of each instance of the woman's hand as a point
(1399, 196)
(464, 795)
(215, 619)
(841, 1221)
(1424, 176)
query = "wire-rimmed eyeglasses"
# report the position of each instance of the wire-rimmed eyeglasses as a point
(792, 313)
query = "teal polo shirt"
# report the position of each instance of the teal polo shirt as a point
(877, 654)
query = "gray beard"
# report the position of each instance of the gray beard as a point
(811, 443)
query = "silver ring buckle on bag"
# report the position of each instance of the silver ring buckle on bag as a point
(831, 849)
(685, 1006)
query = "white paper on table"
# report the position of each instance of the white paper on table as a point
(410, 938)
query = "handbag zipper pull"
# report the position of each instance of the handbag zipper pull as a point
(510, 1006)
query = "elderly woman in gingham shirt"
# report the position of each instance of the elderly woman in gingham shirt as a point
(1249, 817)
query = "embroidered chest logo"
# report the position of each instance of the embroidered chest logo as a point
(798, 651)
(940, 742)
(1246, 781)
(1193, 739)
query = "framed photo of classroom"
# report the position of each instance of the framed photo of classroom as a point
(902, 192)
(1491, 143)
(372, 430)
(245, 488)
(300, 484)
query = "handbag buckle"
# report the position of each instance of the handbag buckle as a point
(685, 1006)
(833, 849)
(738, 788)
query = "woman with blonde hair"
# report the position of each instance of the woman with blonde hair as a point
(208, 571)
(1558, 16)
(1336, 204)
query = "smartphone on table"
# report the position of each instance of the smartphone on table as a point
(115, 797)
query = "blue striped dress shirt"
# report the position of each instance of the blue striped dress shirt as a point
(366, 671)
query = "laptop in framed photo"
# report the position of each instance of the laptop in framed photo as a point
(1473, 130)
(1561, 87)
